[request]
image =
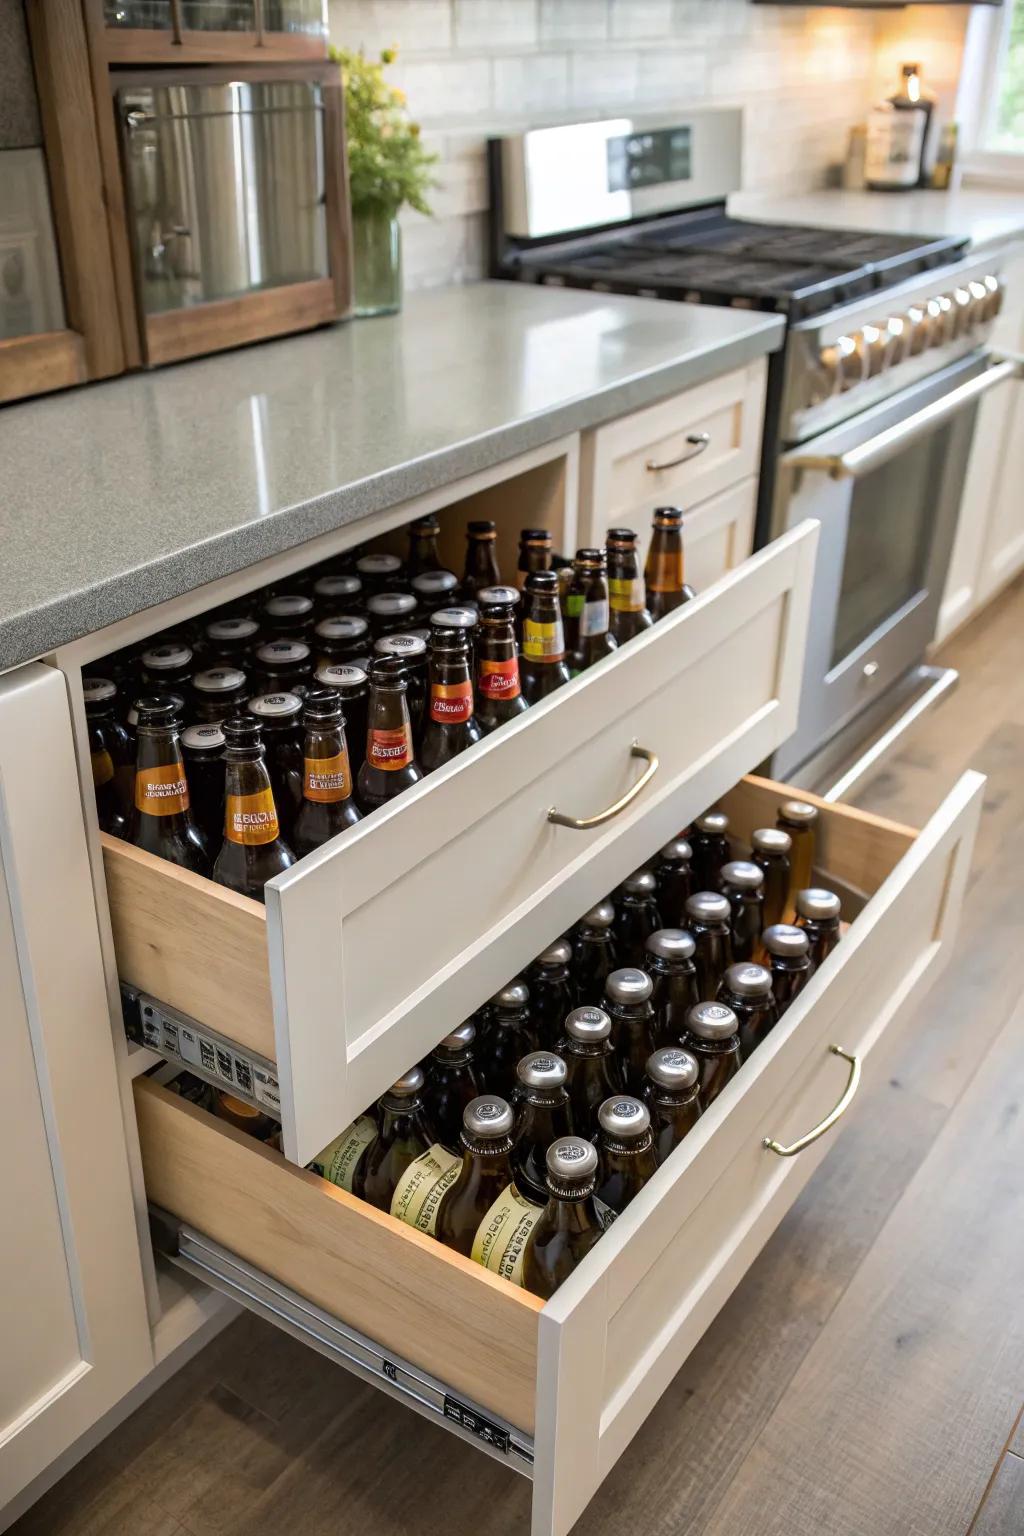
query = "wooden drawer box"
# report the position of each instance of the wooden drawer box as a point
(581, 1373)
(374, 946)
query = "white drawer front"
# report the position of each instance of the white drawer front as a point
(719, 534)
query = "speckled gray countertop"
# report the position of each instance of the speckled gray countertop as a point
(986, 216)
(124, 494)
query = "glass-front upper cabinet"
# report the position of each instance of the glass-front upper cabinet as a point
(253, 23)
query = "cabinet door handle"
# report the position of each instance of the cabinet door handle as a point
(584, 823)
(698, 441)
(830, 1119)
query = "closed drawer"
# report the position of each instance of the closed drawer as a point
(373, 947)
(719, 534)
(578, 1375)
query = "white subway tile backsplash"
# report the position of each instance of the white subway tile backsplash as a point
(495, 23)
(414, 25)
(641, 18)
(440, 90)
(583, 21)
(605, 81)
(534, 83)
(671, 76)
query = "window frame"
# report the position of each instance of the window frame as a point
(987, 33)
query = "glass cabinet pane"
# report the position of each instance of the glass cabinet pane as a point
(151, 15)
(31, 300)
(219, 15)
(308, 17)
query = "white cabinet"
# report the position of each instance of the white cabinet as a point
(75, 1331)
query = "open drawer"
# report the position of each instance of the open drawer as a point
(376, 945)
(570, 1382)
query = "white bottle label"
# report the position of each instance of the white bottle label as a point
(594, 618)
(895, 143)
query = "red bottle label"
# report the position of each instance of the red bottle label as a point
(499, 679)
(452, 702)
(390, 750)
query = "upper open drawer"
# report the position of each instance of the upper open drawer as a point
(380, 942)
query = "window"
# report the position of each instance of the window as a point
(1006, 128)
(990, 103)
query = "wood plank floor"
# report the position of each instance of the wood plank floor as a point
(866, 1378)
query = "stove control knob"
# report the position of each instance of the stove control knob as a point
(917, 327)
(946, 329)
(872, 344)
(961, 300)
(897, 329)
(994, 289)
(979, 302)
(839, 366)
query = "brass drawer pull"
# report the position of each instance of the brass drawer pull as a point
(583, 823)
(698, 442)
(831, 1118)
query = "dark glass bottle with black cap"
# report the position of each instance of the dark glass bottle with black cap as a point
(673, 871)
(390, 766)
(218, 693)
(508, 1035)
(481, 557)
(280, 719)
(747, 989)
(202, 747)
(712, 1036)
(626, 1155)
(800, 820)
(486, 1141)
(670, 964)
(288, 615)
(542, 666)
(328, 793)
(282, 666)
(498, 690)
(534, 553)
(162, 822)
(787, 950)
(253, 850)
(664, 573)
(379, 573)
(771, 849)
(432, 590)
(588, 637)
(636, 915)
(818, 913)
(627, 1001)
(551, 993)
(337, 592)
(390, 613)
(743, 888)
(594, 953)
(672, 1094)
(450, 725)
(111, 756)
(569, 1225)
(709, 919)
(544, 1115)
(452, 1082)
(404, 1134)
(423, 556)
(352, 686)
(628, 612)
(230, 640)
(593, 1069)
(167, 666)
(340, 637)
(709, 841)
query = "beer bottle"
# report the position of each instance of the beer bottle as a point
(568, 1226)
(800, 820)
(202, 748)
(498, 694)
(452, 1083)
(664, 579)
(672, 1094)
(551, 993)
(288, 615)
(411, 651)
(110, 754)
(507, 1038)
(340, 637)
(708, 917)
(636, 915)
(771, 849)
(627, 1001)
(218, 693)
(379, 573)
(405, 1133)
(593, 1071)
(253, 850)
(231, 640)
(587, 633)
(669, 963)
(628, 611)
(712, 1036)
(747, 989)
(282, 666)
(390, 765)
(280, 719)
(534, 553)
(674, 875)
(340, 592)
(465, 617)
(433, 590)
(486, 1170)
(423, 555)
(818, 915)
(162, 821)
(327, 805)
(350, 683)
(787, 950)
(341, 1161)
(626, 1155)
(595, 955)
(544, 1115)
(743, 888)
(710, 844)
(543, 666)
(167, 667)
(390, 613)
(449, 727)
(481, 558)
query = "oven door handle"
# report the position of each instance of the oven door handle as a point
(878, 450)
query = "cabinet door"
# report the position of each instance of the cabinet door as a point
(75, 1334)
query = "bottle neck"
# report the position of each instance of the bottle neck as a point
(571, 1212)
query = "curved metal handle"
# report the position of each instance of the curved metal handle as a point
(830, 1119)
(698, 442)
(583, 823)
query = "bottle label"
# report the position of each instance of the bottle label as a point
(499, 679)
(161, 791)
(452, 702)
(574, 605)
(594, 620)
(605, 1214)
(543, 642)
(327, 779)
(102, 768)
(665, 572)
(390, 750)
(251, 819)
(500, 1241)
(418, 1194)
(627, 594)
(338, 1161)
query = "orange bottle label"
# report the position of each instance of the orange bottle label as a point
(499, 679)
(327, 779)
(161, 791)
(102, 768)
(251, 819)
(452, 702)
(390, 750)
(665, 572)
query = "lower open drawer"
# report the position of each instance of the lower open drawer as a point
(574, 1379)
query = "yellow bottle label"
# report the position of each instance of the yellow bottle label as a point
(161, 791)
(251, 819)
(338, 1161)
(500, 1241)
(626, 594)
(543, 642)
(418, 1194)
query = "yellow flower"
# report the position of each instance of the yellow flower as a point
(398, 96)
(389, 55)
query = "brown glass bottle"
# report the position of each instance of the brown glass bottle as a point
(328, 803)
(167, 666)
(202, 748)
(593, 1070)
(481, 558)
(340, 637)
(587, 613)
(464, 617)
(390, 613)
(626, 1155)
(543, 666)
(280, 719)
(162, 821)
(569, 1225)
(282, 666)
(432, 590)
(672, 1094)
(709, 842)
(712, 1037)
(111, 756)
(771, 849)
(337, 592)
(231, 640)
(743, 888)
(787, 950)
(351, 685)
(288, 615)
(423, 555)
(390, 765)
(818, 914)
(708, 918)
(674, 873)
(534, 553)
(747, 989)
(800, 820)
(411, 651)
(636, 915)
(218, 693)
(664, 577)
(544, 1115)
(405, 1133)
(379, 573)
(508, 1036)
(486, 1140)
(498, 693)
(450, 726)
(551, 993)
(670, 964)
(253, 850)
(594, 954)
(452, 1083)
(627, 1002)
(628, 613)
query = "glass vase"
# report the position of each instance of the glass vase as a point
(376, 263)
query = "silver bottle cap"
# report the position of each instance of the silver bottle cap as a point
(288, 605)
(799, 813)
(677, 851)
(391, 605)
(743, 875)
(342, 585)
(95, 690)
(283, 651)
(340, 674)
(673, 1068)
(784, 940)
(541, 1069)
(203, 737)
(274, 706)
(514, 994)
(487, 1116)
(498, 597)
(588, 1025)
(434, 583)
(378, 565)
(456, 618)
(409, 646)
(571, 1160)
(817, 904)
(629, 986)
(231, 629)
(624, 1117)
(771, 840)
(713, 822)
(167, 656)
(640, 883)
(409, 1083)
(712, 1021)
(558, 953)
(219, 680)
(601, 916)
(671, 944)
(460, 1039)
(345, 626)
(708, 907)
(748, 980)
